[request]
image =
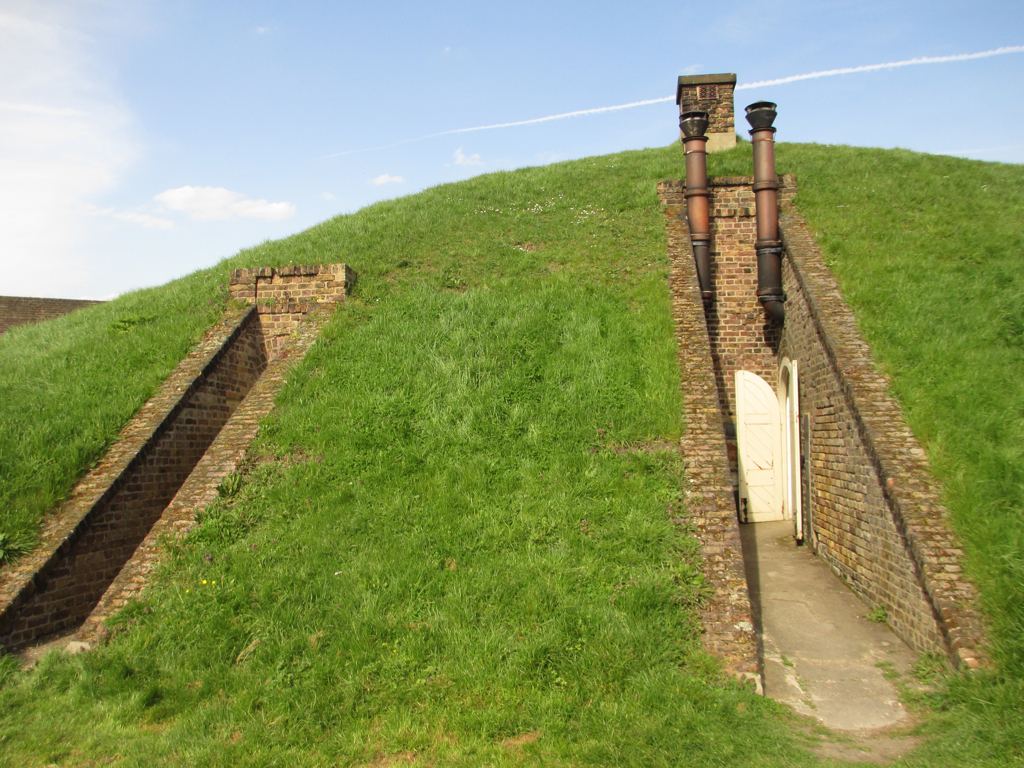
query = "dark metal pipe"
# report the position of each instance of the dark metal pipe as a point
(694, 124)
(761, 115)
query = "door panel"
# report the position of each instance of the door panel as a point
(758, 438)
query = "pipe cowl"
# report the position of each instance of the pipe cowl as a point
(761, 115)
(694, 125)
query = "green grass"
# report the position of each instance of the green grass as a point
(496, 567)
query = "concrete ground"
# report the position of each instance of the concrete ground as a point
(821, 655)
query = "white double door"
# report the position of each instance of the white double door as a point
(768, 445)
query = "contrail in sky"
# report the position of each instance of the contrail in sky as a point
(890, 65)
(744, 86)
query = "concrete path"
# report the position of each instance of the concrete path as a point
(821, 655)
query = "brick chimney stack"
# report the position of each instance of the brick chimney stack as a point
(712, 94)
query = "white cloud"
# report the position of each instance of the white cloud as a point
(326, 195)
(261, 30)
(462, 159)
(387, 178)
(64, 138)
(150, 222)
(214, 203)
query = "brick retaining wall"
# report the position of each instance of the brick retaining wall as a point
(726, 614)
(84, 545)
(220, 460)
(163, 466)
(23, 310)
(875, 509)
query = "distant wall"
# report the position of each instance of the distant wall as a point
(874, 508)
(18, 310)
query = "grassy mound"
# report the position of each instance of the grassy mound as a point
(456, 548)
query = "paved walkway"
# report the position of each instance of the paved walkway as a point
(821, 655)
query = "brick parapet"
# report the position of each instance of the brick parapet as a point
(726, 613)
(221, 459)
(107, 512)
(283, 295)
(879, 519)
(24, 310)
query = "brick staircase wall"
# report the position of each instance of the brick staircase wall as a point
(97, 550)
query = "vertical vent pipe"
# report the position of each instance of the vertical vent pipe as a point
(761, 115)
(694, 124)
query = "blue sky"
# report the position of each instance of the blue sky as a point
(140, 141)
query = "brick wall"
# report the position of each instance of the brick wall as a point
(282, 295)
(726, 614)
(221, 459)
(875, 513)
(113, 509)
(17, 310)
(170, 458)
(713, 94)
(740, 336)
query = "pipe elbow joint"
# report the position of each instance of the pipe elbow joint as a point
(775, 309)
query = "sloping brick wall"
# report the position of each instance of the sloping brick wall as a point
(875, 509)
(726, 614)
(85, 544)
(18, 310)
(169, 460)
(221, 459)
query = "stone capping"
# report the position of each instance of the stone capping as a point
(24, 310)
(18, 583)
(728, 78)
(726, 614)
(221, 459)
(901, 465)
